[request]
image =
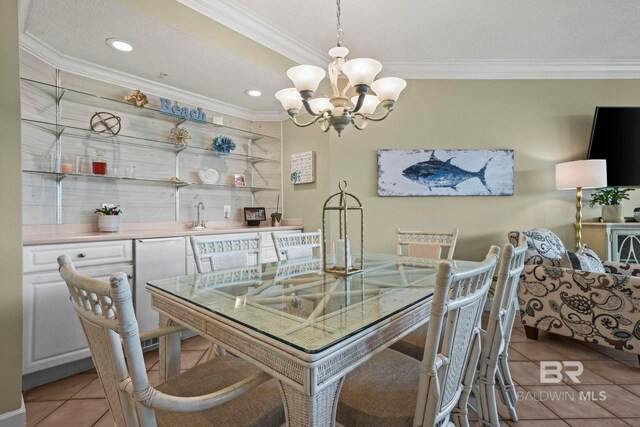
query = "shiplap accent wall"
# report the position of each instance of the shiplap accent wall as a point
(139, 201)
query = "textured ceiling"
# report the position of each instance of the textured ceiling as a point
(203, 56)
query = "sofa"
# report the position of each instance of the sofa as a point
(577, 295)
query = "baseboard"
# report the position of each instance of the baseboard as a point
(17, 418)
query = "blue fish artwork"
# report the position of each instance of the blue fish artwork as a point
(445, 172)
(436, 173)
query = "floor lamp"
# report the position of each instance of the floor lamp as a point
(578, 175)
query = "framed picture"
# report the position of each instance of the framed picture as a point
(445, 173)
(253, 216)
(303, 167)
(239, 180)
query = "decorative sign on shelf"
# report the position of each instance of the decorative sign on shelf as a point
(303, 167)
(195, 114)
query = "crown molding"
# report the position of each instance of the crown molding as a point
(242, 20)
(515, 70)
(48, 54)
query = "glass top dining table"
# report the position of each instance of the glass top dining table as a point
(300, 305)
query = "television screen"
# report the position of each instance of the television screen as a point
(615, 137)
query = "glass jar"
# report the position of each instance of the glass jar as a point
(99, 166)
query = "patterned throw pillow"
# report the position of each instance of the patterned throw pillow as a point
(544, 247)
(585, 260)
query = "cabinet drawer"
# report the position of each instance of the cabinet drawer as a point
(45, 257)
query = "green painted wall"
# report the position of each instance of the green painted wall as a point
(11, 213)
(544, 121)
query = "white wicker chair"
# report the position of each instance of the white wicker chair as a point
(297, 245)
(393, 389)
(224, 253)
(244, 396)
(493, 365)
(423, 244)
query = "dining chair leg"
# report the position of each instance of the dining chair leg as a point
(507, 387)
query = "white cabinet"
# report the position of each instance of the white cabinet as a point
(52, 335)
(614, 242)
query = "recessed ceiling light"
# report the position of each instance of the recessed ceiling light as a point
(119, 44)
(253, 92)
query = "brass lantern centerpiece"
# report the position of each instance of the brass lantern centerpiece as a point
(342, 261)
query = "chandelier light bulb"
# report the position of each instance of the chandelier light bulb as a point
(289, 98)
(369, 105)
(361, 71)
(388, 88)
(318, 105)
(306, 77)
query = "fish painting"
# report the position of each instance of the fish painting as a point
(436, 173)
(445, 172)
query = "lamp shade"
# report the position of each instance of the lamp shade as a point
(306, 77)
(388, 88)
(289, 98)
(318, 105)
(369, 105)
(581, 174)
(361, 71)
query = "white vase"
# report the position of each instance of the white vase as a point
(109, 223)
(612, 213)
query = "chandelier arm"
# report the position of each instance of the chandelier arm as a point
(304, 125)
(359, 103)
(309, 110)
(375, 119)
(355, 125)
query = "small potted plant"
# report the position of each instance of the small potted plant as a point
(610, 198)
(109, 218)
(276, 216)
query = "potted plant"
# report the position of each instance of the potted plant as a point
(276, 216)
(109, 218)
(610, 198)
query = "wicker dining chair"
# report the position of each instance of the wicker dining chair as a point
(297, 245)
(393, 389)
(223, 253)
(493, 365)
(424, 244)
(227, 391)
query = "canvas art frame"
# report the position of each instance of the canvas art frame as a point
(443, 172)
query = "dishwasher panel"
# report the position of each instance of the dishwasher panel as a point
(155, 259)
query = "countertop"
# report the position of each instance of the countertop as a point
(78, 233)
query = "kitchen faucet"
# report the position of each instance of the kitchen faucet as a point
(198, 224)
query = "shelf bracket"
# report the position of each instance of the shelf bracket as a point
(59, 97)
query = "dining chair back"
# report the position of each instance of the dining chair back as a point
(394, 389)
(106, 313)
(297, 245)
(424, 244)
(222, 253)
(493, 365)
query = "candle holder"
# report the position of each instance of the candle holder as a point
(342, 261)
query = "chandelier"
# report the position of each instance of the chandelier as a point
(338, 111)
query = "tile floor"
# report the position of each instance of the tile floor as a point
(78, 401)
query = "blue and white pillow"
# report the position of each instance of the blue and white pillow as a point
(585, 260)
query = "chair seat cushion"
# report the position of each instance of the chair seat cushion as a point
(381, 392)
(413, 344)
(261, 406)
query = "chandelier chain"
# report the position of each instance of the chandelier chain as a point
(339, 26)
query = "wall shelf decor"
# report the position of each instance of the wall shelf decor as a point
(56, 127)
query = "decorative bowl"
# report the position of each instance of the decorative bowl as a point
(208, 176)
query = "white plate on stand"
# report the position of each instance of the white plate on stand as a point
(208, 176)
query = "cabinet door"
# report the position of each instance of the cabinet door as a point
(52, 334)
(155, 259)
(626, 246)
